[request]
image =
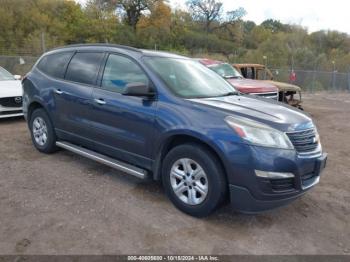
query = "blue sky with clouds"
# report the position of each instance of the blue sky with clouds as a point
(313, 14)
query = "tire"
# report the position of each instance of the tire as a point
(41, 127)
(197, 195)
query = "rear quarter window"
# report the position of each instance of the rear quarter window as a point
(55, 65)
(84, 67)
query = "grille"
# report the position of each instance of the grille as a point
(304, 141)
(11, 101)
(284, 184)
(10, 112)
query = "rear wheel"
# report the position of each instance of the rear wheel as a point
(194, 180)
(42, 131)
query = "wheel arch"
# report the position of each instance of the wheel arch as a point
(32, 107)
(174, 140)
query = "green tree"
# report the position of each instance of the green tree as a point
(133, 9)
(206, 11)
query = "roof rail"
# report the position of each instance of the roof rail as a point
(101, 44)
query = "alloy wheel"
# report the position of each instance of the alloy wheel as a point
(189, 181)
(40, 131)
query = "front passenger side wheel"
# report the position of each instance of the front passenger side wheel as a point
(189, 181)
(194, 179)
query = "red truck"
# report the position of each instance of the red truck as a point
(243, 85)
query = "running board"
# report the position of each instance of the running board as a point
(129, 169)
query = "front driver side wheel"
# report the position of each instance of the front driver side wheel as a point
(42, 131)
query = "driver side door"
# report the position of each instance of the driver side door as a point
(123, 125)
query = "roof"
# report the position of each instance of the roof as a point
(114, 47)
(248, 65)
(147, 52)
(209, 62)
(97, 45)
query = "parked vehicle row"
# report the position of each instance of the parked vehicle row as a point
(288, 93)
(255, 79)
(169, 118)
(243, 85)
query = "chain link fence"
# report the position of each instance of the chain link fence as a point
(314, 81)
(18, 65)
(309, 80)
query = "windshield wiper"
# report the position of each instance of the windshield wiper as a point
(233, 77)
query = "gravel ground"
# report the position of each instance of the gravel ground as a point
(65, 204)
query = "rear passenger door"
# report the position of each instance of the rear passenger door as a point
(73, 98)
(123, 125)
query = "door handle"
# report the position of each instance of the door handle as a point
(58, 91)
(100, 101)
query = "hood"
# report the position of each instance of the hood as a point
(248, 86)
(272, 113)
(10, 88)
(284, 86)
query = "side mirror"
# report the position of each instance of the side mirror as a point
(17, 77)
(138, 89)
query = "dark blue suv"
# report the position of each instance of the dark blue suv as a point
(166, 117)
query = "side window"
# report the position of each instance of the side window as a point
(84, 67)
(244, 72)
(264, 74)
(55, 65)
(119, 72)
(250, 73)
(261, 74)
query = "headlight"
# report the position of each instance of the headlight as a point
(259, 134)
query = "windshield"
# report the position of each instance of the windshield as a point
(4, 75)
(188, 78)
(226, 71)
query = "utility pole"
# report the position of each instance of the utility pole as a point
(265, 73)
(314, 77)
(43, 44)
(334, 76)
(349, 79)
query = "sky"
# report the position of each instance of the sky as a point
(313, 14)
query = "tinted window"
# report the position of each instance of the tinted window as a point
(55, 65)
(84, 67)
(119, 72)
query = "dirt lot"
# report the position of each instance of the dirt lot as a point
(65, 204)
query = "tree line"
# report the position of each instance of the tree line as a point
(204, 30)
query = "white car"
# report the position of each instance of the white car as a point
(10, 94)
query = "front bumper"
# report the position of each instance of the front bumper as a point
(6, 112)
(252, 194)
(243, 201)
